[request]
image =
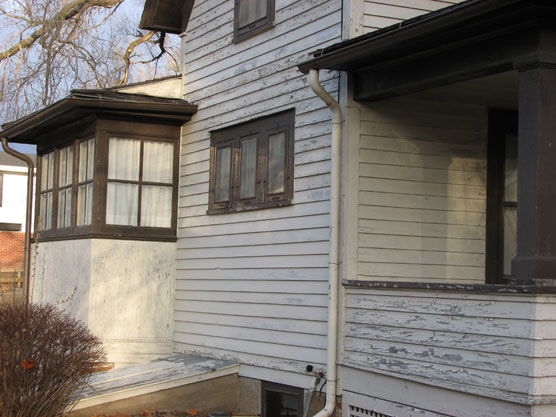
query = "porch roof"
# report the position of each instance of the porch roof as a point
(82, 104)
(468, 40)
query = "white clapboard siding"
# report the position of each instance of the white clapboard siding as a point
(381, 13)
(422, 192)
(475, 343)
(252, 286)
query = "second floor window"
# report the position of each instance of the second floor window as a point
(252, 17)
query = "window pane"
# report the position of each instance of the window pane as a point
(222, 183)
(250, 11)
(90, 158)
(123, 159)
(84, 204)
(280, 404)
(61, 208)
(47, 172)
(86, 160)
(46, 211)
(510, 227)
(121, 204)
(158, 162)
(248, 168)
(510, 169)
(276, 163)
(64, 208)
(156, 206)
(66, 166)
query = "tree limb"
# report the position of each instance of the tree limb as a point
(67, 12)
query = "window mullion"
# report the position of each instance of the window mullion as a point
(262, 168)
(140, 188)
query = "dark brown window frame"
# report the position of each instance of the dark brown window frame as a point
(254, 28)
(102, 130)
(233, 136)
(283, 389)
(500, 124)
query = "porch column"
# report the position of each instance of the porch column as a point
(536, 219)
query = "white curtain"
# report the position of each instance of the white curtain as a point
(156, 206)
(121, 198)
(121, 204)
(123, 159)
(158, 162)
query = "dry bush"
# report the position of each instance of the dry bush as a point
(45, 356)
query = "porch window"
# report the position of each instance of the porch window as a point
(252, 17)
(501, 195)
(252, 165)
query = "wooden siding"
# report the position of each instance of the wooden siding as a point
(422, 189)
(475, 343)
(252, 286)
(381, 13)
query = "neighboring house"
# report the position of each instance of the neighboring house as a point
(439, 313)
(13, 192)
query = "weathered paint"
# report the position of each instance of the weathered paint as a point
(123, 290)
(251, 286)
(490, 345)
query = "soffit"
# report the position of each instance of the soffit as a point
(472, 39)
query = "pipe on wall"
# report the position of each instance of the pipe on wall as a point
(334, 257)
(29, 207)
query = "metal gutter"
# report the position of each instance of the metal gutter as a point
(29, 207)
(345, 55)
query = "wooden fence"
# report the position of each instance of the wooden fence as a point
(11, 284)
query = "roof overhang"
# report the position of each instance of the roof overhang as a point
(472, 39)
(166, 15)
(83, 104)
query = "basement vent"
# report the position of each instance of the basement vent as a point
(362, 412)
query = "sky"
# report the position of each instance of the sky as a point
(21, 148)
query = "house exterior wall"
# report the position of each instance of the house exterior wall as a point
(123, 290)
(422, 191)
(251, 286)
(381, 13)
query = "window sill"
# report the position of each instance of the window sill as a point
(271, 204)
(112, 236)
(510, 289)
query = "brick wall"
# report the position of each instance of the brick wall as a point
(11, 249)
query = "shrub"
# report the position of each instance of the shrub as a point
(45, 356)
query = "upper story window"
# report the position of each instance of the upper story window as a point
(120, 183)
(251, 164)
(252, 17)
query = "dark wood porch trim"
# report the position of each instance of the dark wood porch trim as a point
(469, 40)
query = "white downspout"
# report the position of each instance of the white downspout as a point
(331, 373)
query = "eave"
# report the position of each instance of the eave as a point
(170, 16)
(83, 104)
(468, 40)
